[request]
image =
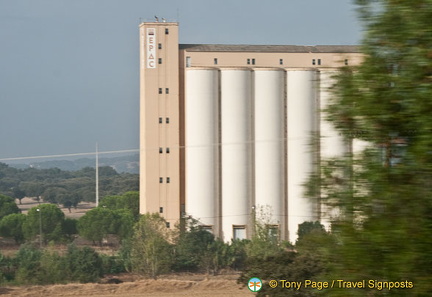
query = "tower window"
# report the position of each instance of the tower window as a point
(253, 61)
(168, 224)
(167, 120)
(160, 150)
(168, 180)
(160, 121)
(167, 150)
(160, 60)
(280, 61)
(166, 31)
(188, 61)
(166, 90)
(319, 61)
(239, 232)
(207, 228)
(160, 90)
(160, 209)
(248, 61)
(313, 61)
(215, 61)
(346, 61)
(159, 45)
(161, 180)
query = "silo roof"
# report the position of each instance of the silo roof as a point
(270, 48)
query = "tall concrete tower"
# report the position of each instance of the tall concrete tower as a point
(159, 120)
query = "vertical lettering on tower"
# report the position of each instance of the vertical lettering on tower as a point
(151, 48)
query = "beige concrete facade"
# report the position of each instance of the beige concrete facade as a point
(159, 121)
(163, 75)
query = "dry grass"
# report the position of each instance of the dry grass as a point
(172, 285)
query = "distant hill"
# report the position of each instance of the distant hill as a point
(126, 164)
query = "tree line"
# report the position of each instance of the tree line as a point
(147, 246)
(64, 187)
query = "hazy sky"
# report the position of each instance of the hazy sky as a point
(69, 69)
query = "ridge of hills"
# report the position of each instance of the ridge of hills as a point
(121, 164)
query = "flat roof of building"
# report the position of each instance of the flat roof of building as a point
(270, 48)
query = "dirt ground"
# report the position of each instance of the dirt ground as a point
(187, 285)
(82, 208)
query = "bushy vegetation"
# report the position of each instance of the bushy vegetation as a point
(45, 222)
(63, 187)
(35, 266)
(148, 247)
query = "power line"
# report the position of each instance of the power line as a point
(67, 155)
(280, 140)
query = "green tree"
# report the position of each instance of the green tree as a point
(190, 244)
(53, 194)
(151, 252)
(52, 269)
(265, 240)
(70, 227)
(384, 194)
(96, 224)
(215, 256)
(129, 200)
(7, 269)
(18, 193)
(28, 265)
(306, 228)
(7, 206)
(310, 259)
(33, 189)
(83, 264)
(123, 223)
(50, 217)
(11, 226)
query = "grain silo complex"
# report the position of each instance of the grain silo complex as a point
(227, 131)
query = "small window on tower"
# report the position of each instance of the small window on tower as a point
(160, 90)
(207, 228)
(167, 150)
(168, 224)
(313, 61)
(167, 120)
(160, 180)
(168, 180)
(319, 61)
(253, 61)
(280, 61)
(215, 61)
(160, 209)
(159, 45)
(166, 90)
(188, 61)
(346, 61)
(239, 232)
(248, 61)
(160, 150)
(166, 31)
(160, 60)
(160, 121)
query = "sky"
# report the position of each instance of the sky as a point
(69, 69)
